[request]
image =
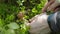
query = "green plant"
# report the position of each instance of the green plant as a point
(9, 23)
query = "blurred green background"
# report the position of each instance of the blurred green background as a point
(9, 23)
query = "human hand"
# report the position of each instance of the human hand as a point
(43, 10)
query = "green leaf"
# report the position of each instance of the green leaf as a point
(13, 25)
(34, 10)
(10, 17)
(2, 30)
(10, 31)
(1, 22)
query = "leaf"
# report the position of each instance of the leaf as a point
(1, 22)
(34, 10)
(10, 17)
(2, 30)
(10, 31)
(13, 25)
